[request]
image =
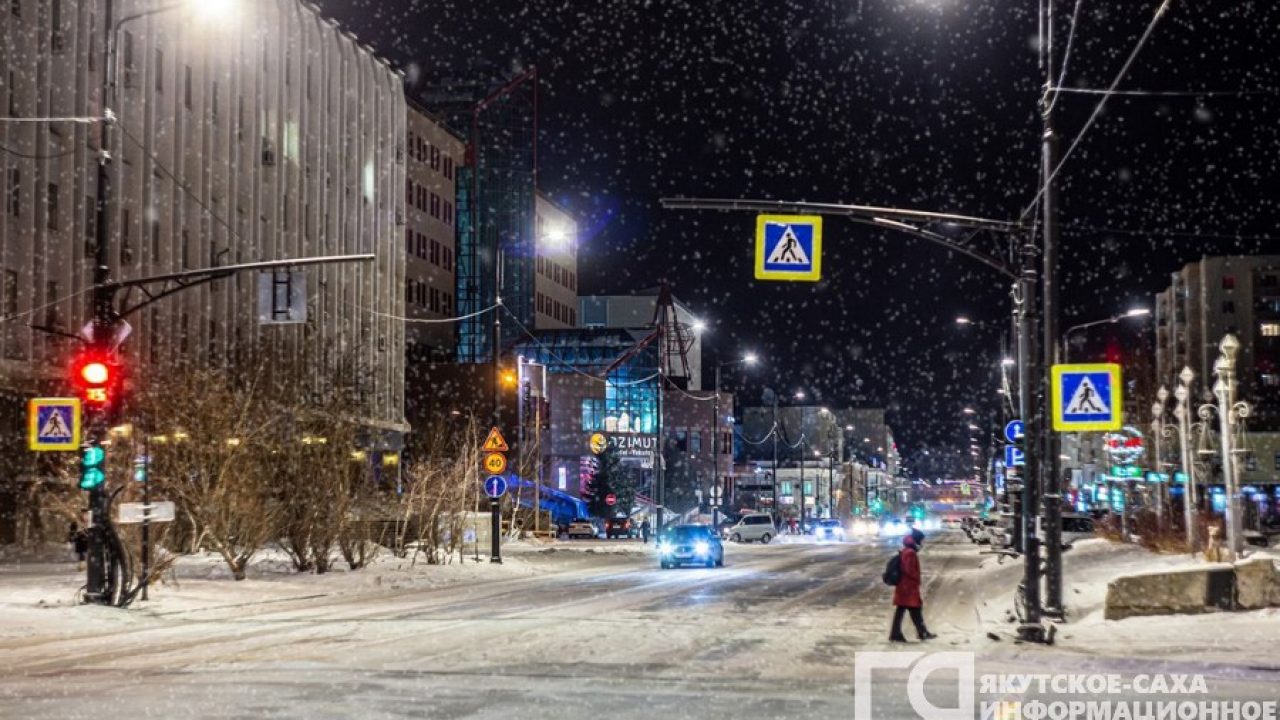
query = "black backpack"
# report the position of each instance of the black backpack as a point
(892, 570)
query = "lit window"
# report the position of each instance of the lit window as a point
(1270, 329)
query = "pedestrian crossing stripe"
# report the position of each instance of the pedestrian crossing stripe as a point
(1087, 397)
(53, 424)
(789, 247)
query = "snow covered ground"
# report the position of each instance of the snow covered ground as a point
(561, 629)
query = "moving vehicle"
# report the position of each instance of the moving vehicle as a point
(829, 529)
(619, 527)
(582, 528)
(690, 545)
(753, 527)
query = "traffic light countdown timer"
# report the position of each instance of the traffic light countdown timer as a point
(97, 376)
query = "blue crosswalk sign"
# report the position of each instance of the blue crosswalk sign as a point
(789, 247)
(1087, 397)
(53, 424)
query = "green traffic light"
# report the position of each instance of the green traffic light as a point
(92, 475)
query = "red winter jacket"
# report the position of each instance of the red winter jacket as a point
(907, 592)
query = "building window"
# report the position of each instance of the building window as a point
(126, 242)
(10, 293)
(1228, 282)
(448, 168)
(155, 240)
(1251, 462)
(51, 304)
(1270, 329)
(213, 102)
(55, 26)
(127, 50)
(695, 441)
(435, 158)
(13, 204)
(186, 90)
(15, 8)
(159, 70)
(1228, 306)
(51, 221)
(90, 225)
(1276, 461)
(13, 96)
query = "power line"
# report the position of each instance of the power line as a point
(1163, 93)
(1066, 55)
(27, 156)
(1097, 110)
(181, 185)
(83, 120)
(1079, 227)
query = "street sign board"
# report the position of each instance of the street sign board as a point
(495, 486)
(610, 499)
(495, 463)
(1087, 397)
(282, 297)
(53, 424)
(1014, 431)
(133, 513)
(495, 442)
(789, 247)
(1014, 457)
(1128, 472)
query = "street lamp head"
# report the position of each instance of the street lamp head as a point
(1008, 362)
(1157, 409)
(1180, 393)
(1221, 365)
(1187, 375)
(848, 428)
(1137, 312)
(969, 411)
(215, 9)
(698, 326)
(1162, 394)
(962, 320)
(799, 394)
(750, 359)
(1229, 346)
(972, 426)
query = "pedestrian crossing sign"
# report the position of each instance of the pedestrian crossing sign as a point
(53, 424)
(789, 247)
(1087, 397)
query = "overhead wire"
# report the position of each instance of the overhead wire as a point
(1066, 54)
(1097, 110)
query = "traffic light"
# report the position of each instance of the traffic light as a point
(93, 461)
(97, 376)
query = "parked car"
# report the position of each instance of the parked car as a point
(1075, 527)
(619, 527)
(753, 527)
(829, 529)
(582, 528)
(690, 545)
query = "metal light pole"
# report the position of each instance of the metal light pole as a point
(747, 359)
(1230, 412)
(1158, 432)
(1182, 412)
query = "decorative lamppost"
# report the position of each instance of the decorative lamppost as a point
(1182, 413)
(1230, 413)
(1159, 430)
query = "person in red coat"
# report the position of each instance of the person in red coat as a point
(906, 594)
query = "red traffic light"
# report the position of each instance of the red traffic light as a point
(95, 373)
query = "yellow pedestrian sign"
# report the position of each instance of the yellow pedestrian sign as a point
(495, 442)
(789, 247)
(1087, 397)
(53, 424)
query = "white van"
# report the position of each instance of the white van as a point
(753, 527)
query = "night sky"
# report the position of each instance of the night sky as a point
(929, 104)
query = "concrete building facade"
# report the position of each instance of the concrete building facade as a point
(556, 267)
(270, 135)
(433, 155)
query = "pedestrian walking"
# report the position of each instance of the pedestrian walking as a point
(906, 593)
(644, 531)
(79, 541)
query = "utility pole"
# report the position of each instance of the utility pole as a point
(715, 451)
(776, 511)
(1051, 468)
(1031, 380)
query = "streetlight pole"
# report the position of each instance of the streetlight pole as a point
(1158, 430)
(1183, 414)
(747, 359)
(1230, 413)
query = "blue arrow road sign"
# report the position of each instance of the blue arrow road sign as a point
(1014, 457)
(1014, 431)
(495, 486)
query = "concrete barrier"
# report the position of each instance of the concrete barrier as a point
(1257, 584)
(1174, 592)
(1249, 585)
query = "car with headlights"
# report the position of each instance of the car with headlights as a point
(582, 528)
(690, 545)
(753, 527)
(864, 527)
(829, 529)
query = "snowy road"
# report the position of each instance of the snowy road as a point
(598, 635)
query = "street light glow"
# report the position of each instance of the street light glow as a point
(1137, 312)
(698, 326)
(799, 394)
(1008, 362)
(750, 359)
(215, 9)
(969, 411)
(962, 320)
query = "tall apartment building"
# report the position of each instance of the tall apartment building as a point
(434, 156)
(271, 135)
(1213, 297)
(556, 280)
